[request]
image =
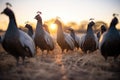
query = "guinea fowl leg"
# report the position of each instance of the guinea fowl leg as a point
(105, 58)
(49, 52)
(23, 58)
(115, 59)
(42, 55)
(17, 59)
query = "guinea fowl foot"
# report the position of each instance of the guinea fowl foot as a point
(20, 61)
(23, 59)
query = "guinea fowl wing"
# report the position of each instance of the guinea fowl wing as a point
(27, 42)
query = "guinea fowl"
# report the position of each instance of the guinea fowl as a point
(30, 30)
(89, 41)
(109, 43)
(42, 38)
(17, 42)
(75, 37)
(64, 40)
(102, 30)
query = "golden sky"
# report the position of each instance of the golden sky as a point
(67, 10)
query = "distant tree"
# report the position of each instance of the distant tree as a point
(73, 25)
(83, 25)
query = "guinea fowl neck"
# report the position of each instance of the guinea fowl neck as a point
(89, 29)
(39, 27)
(12, 23)
(113, 22)
(59, 30)
(31, 30)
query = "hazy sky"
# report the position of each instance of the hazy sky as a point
(68, 10)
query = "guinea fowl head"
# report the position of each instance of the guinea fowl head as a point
(57, 22)
(38, 17)
(8, 12)
(103, 28)
(114, 21)
(91, 23)
(70, 29)
(28, 26)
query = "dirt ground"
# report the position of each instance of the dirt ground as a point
(72, 65)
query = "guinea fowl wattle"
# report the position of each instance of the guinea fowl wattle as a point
(17, 42)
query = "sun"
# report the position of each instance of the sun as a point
(53, 27)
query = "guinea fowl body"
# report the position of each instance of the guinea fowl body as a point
(64, 40)
(17, 42)
(109, 43)
(89, 41)
(42, 38)
(75, 38)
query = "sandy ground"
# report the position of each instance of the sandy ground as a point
(72, 65)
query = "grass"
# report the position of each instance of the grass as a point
(55, 65)
(72, 65)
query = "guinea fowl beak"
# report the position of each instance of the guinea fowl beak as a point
(2, 12)
(35, 17)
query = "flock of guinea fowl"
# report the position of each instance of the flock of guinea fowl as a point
(21, 44)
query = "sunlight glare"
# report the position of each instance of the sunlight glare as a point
(53, 27)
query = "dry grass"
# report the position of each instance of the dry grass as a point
(72, 65)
